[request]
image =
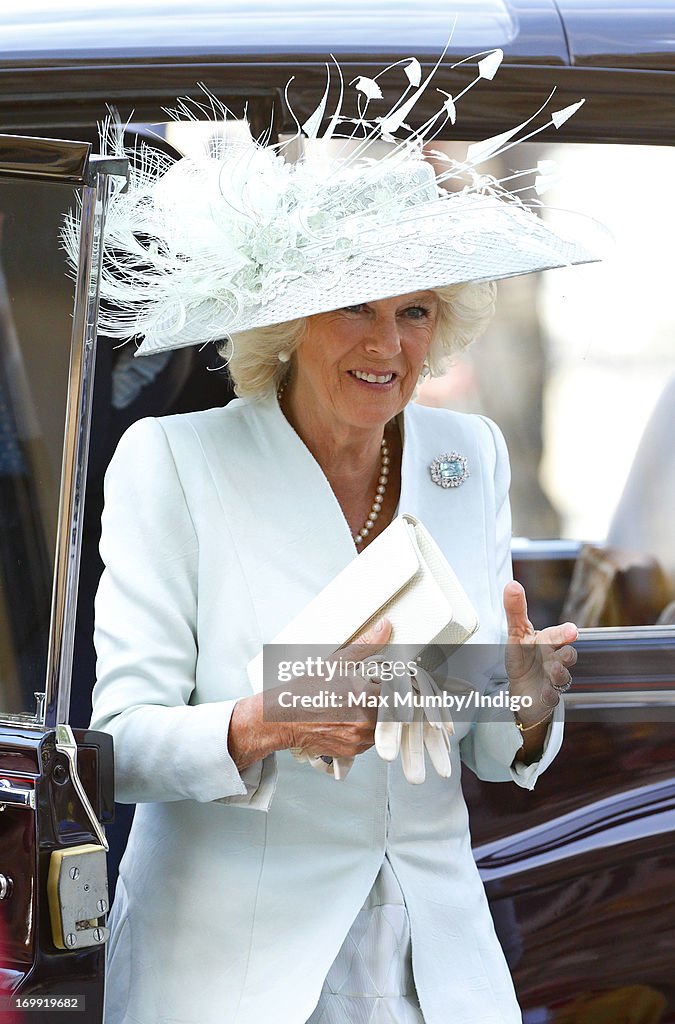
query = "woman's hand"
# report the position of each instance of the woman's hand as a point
(320, 734)
(253, 735)
(537, 665)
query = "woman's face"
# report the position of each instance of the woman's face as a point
(361, 364)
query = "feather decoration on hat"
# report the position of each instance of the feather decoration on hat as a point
(201, 247)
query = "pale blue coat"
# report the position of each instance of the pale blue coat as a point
(235, 894)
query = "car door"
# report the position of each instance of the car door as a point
(55, 781)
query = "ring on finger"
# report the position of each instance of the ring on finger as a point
(562, 687)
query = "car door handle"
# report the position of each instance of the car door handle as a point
(16, 796)
(65, 744)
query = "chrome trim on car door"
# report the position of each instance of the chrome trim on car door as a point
(620, 698)
(75, 452)
(53, 160)
(629, 634)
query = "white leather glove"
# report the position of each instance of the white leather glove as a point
(430, 727)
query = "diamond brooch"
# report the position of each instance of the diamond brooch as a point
(449, 469)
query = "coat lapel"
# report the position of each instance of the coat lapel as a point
(287, 527)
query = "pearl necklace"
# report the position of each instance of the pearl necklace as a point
(379, 495)
(380, 491)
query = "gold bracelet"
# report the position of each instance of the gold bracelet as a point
(526, 728)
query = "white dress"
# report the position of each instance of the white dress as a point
(371, 979)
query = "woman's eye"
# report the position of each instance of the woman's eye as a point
(416, 312)
(354, 309)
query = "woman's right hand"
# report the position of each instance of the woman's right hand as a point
(318, 732)
(253, 735)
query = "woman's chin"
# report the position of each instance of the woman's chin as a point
(371, 405)
(374, 414)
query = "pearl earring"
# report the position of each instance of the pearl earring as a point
(284, 356)
(426, 371)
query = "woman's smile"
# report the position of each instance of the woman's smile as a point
(374, 380)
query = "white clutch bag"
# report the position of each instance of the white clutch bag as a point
(402, 575)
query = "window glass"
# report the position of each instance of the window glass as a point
(36, 305)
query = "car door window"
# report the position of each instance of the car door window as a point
(36, 306)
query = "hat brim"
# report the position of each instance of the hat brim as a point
(452, 243)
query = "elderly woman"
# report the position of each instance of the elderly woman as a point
(255, 888)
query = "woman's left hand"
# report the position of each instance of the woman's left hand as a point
(537, 661)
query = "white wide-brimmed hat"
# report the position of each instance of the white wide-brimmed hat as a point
(200, 248)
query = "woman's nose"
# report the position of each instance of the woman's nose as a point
(383, 336)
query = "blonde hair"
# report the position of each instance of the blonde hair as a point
(464, 311)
